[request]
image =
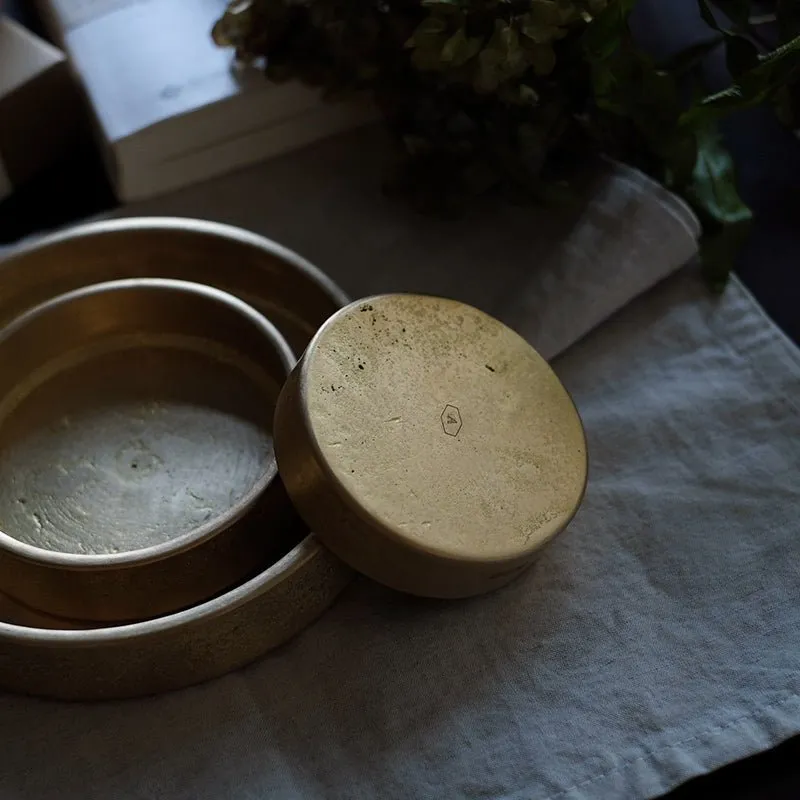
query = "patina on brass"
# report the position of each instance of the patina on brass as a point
(135, 432)
(428, 445)
(297, 581)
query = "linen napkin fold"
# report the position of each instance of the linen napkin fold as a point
(553, 274)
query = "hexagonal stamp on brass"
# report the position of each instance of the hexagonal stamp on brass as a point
(451, 420)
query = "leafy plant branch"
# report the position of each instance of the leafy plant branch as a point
(505, 96)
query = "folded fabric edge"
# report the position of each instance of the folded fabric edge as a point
(596, 274)
(677, 206)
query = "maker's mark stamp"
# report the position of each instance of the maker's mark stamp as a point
(451, 420)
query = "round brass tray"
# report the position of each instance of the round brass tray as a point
(43, 655)
(429, 445)
(135, 433)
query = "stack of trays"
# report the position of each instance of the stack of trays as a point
(147, 540)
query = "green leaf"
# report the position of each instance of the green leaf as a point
(469, 50)
(511, 46)
(542, 58)
(713, 185)
(715, 106)
(545, 13)
(454, 45)
(754, 87)
(502, 58)
(713, 194)
(740, 53)
(539, 32)
(429, 27)
(527, 96)
(521, 95)
(597, 6)
(489, 74)
(781, 65)
(428, 57)
(603, 36)
(604, 81)
(628, 85)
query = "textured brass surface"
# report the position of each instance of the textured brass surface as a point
(135, 431)
(298, 578)
(428, 445)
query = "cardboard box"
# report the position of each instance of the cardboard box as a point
(39, 105)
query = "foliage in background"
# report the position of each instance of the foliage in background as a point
(508, 95)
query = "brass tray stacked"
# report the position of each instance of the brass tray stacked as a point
(117, 277)
(152, 536)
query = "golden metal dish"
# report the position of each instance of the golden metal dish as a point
(54, 658)
(221, 634)
(428, 445)
(135, 432)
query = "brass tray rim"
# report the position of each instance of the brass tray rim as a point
(223, 603)
(84, 562)
(177, 223)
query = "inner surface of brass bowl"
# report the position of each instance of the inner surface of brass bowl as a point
(135, 424)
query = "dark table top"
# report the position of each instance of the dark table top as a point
(768, 158)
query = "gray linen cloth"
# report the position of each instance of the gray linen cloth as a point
(655, 639)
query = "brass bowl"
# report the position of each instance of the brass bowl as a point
(135, 433)
(238, 626)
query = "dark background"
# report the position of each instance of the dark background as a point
(768, 159)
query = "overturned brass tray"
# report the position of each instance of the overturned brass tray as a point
(47, 656)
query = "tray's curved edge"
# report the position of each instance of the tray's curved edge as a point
(201, 226)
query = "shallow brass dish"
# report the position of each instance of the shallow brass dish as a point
(135, 432)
